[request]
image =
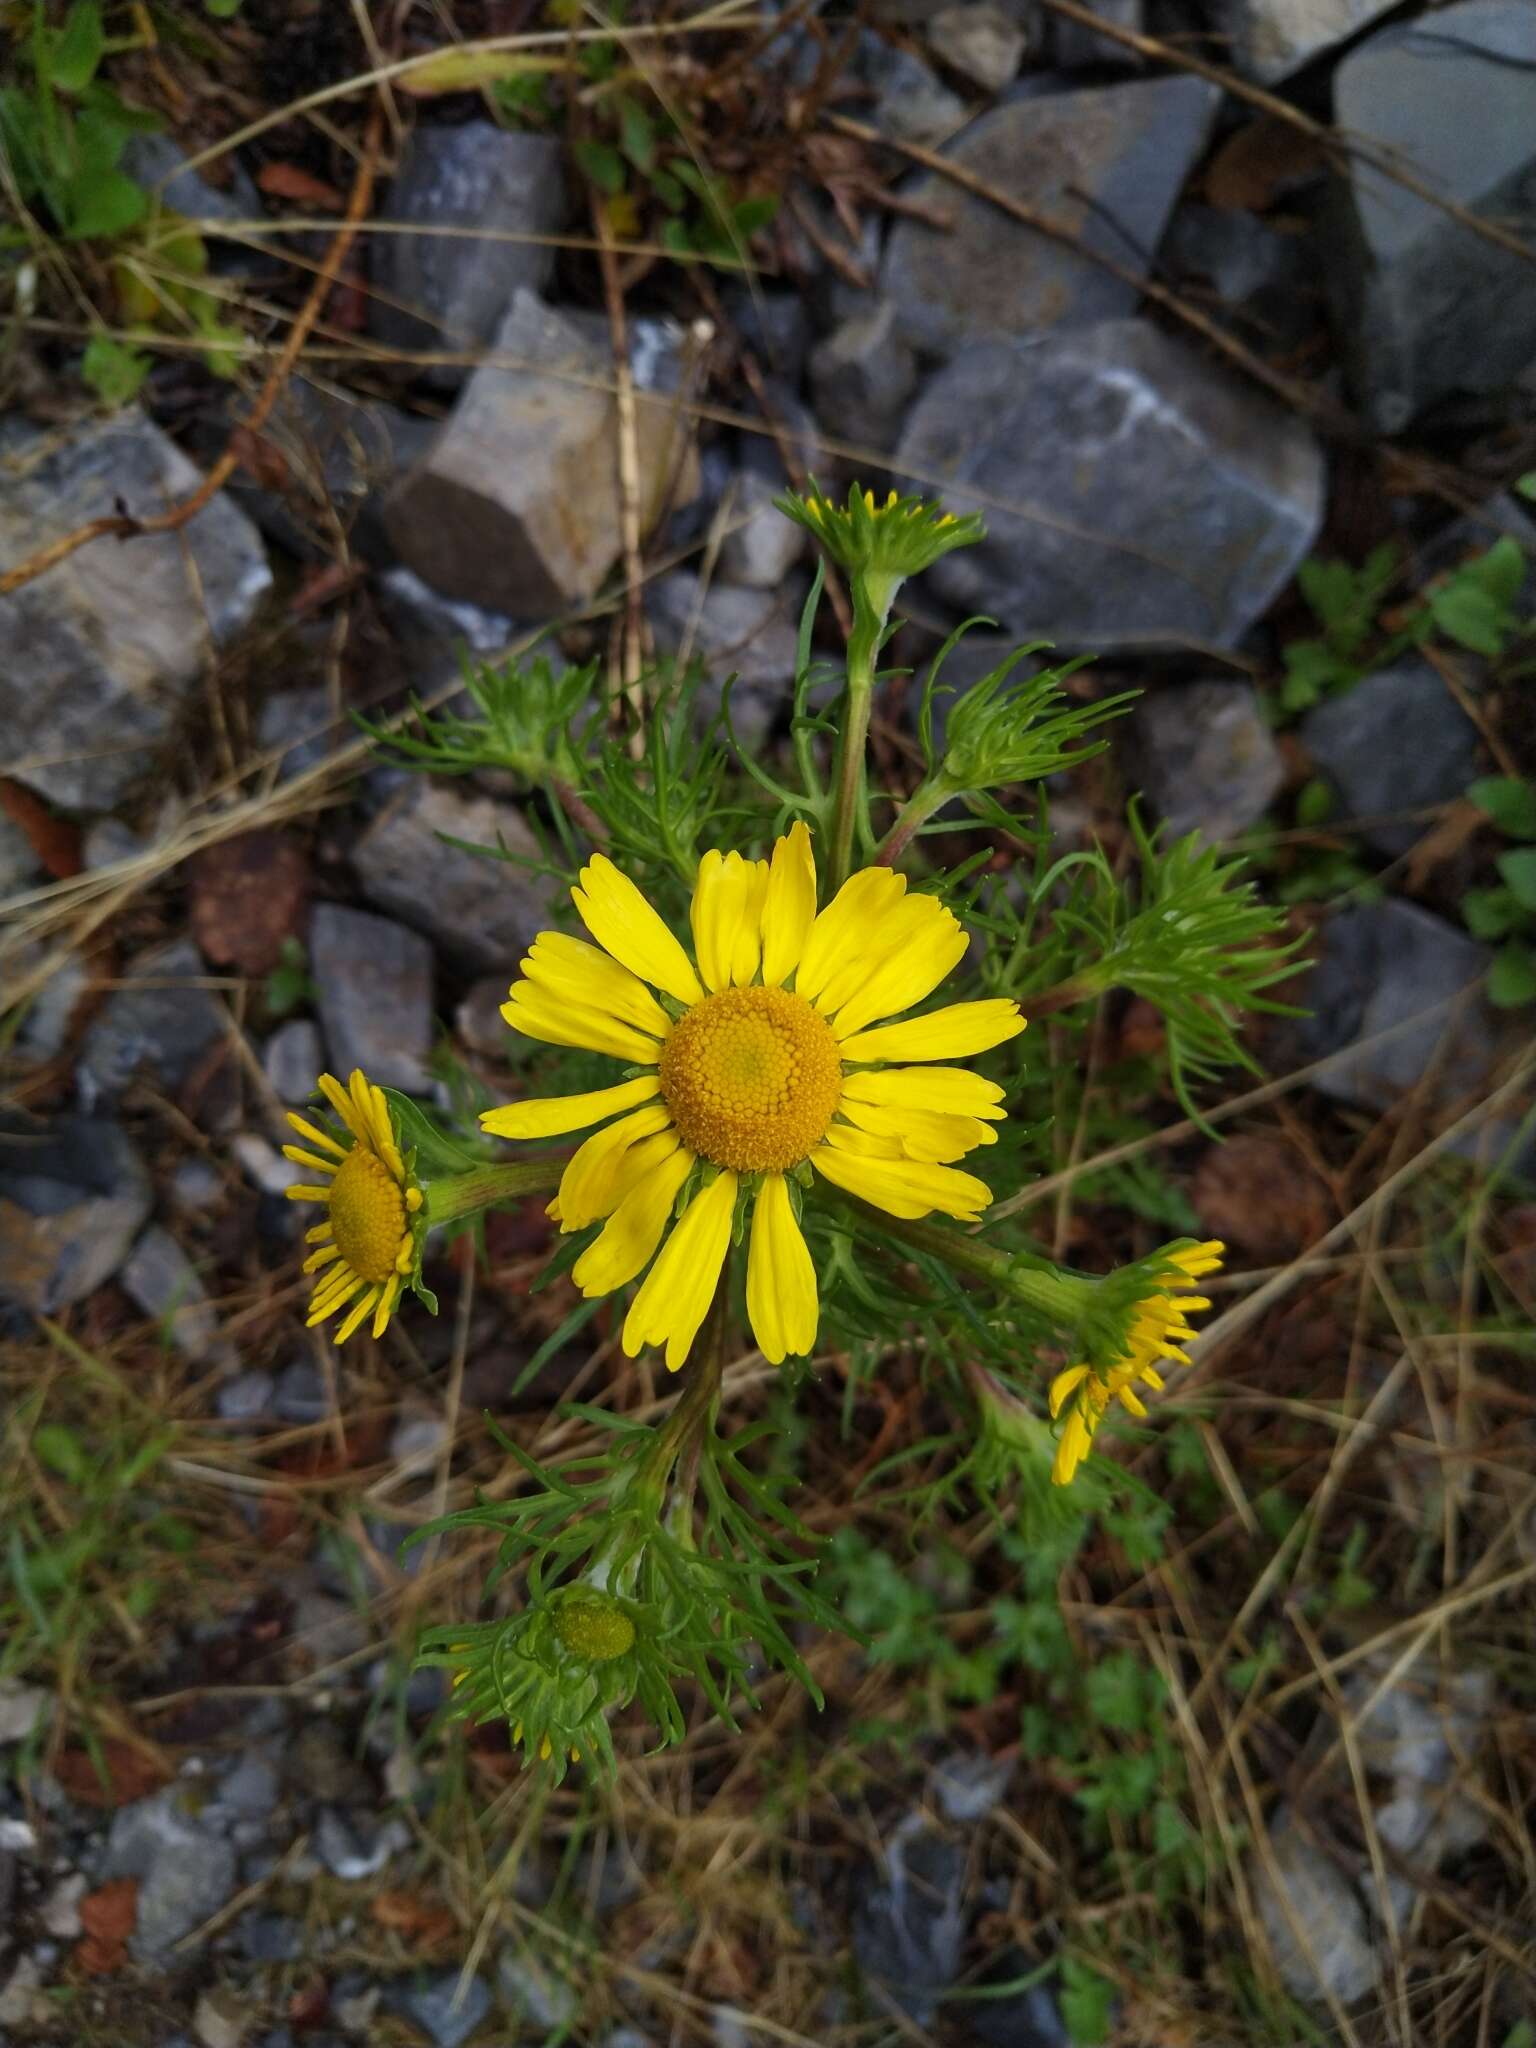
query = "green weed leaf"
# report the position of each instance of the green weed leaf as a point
(1512, 977)
(1510, 801)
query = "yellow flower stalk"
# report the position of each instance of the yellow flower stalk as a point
(366, 1246)
(1159, 1328)
(761, 1056)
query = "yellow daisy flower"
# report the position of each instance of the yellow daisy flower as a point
(761, 1053)
(1159, 1326)
(366, 1246)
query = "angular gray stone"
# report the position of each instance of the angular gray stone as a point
(291, 1059)
(980, 40)
(967, 1785)
(101, 651)
(354, 1849)
(1269, 39)
(185, 1873)
(159, 1277)
(479, 909)
(863, 376)
(1078, 48)
(73, 1195)
(23, 1708)
(1379, 967)
(760, 546)
(908, 1923)
(158, 1024)
(750, 634)
(245, 1398)
(447, 2018)
(1397, 741)
(18, 862)
(160, 165)
(433, 632)
(1425, 306)
(1329, 1950)
(1107, 162)
(515, 505)
(299, 723)
(300, 1395)
(1158, 501)
(453, 287)
(1204, 756)
(52, 1006)
(776, 326)
(912, 103)
(374, 992)
(1263, 279)
(534, 1991)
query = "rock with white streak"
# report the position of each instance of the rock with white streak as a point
(1269, 39)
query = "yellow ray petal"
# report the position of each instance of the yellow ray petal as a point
(931, 945)
(675, 1295)
(315, 1136)
(343, 1105)
(904, 1187)
(929, 1134)
(1066, 1383)
(326, 1303)
(578, 973)
(726, 917)
(789, 905)
(326, 1254)
(550, 1116)
(954, 1090)
(590, 1186)
(355, 1314)
(952, 1033)
(1076, 1441)
(781, 1281)
(302, 1158)
(538, 1014)
(630, 1236)
(386, 1305)
(619, 918)
(845, 924)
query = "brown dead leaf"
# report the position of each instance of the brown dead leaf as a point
(422, 1922)
(108, 1916)
(282, 180)
(249, 894)
(1257, 1192)
(260, 458)
(55, 841)
(1262, 162)
(128, 1772)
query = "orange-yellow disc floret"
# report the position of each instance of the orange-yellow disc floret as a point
(752, 1077)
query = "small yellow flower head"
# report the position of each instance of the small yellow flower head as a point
(896, 539)
(766, 1053)
(369, 1245)
(594, 1627)
(1157, 1330)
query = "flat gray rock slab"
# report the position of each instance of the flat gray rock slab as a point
(1106, 162)
(1269, 39)
(73, 1195)
(1426, 307)
(472, 203)
(101, 651)
(1397, 742)
(515, 505)
(156, 1025)
(374, 980)
(1135, 495)
(481, 910)
(1204, 756)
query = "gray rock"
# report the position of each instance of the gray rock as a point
(1031, 2018)
(51, 1009)
(23, 1709)
(748, 633)
(863, 375)
(980, 40)
(1328, 1951)
(102, 650)
(269, 1937)
(452, 288)
(159, 1277)
(912, 103)
(1397, 741)
(1204, 756)
(158, 1024)
(515, 505)
(354, 1848)
(1081, 49)
(61, 1909)
(1107, 163)
(291, 1058)
(18, 862)
(443, 2014)
(185, 1873)
(222, 2019)
(1379, 967)
(479, 909)
(374, 984)
(1426, 307)
(20, 1998)
(249, 1791)
(478, 1019)
(245, 1398)
(1264, 279)
(299, 1394)
(776, 326)
(534, 1991)
(299, 723)
(73, 1196)
(761, 546)
(196, 1187)
(908, 1924)
(433, 631)
(1269, 39)
(156, 162)
(967, 1786)
(1157, 500)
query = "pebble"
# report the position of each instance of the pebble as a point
(981, 41)
(23, 1709)
(352, 1849)
(222, 2020)
(374, 983)
(300, 1395)
(908, 1926)
(73, 1196)
(246, 1397)
(1396, 741)
(185, 1874)
(1204, 756)
(291, 1059)
(159, 1277)
(445, 2014)
(61, 1909)
(967, 1786)
(535, 1991)
(159, 1023)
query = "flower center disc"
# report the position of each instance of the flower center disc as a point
(367, 1215)
(751, 1076)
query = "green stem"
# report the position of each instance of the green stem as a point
(464, 1194)
(1033, 1281)
(871, 608)
(931, 795)
(684, 1432)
